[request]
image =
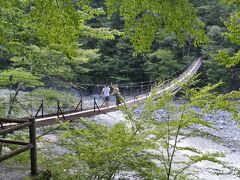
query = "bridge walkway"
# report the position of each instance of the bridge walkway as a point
(170, 86)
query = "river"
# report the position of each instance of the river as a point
(225, 128)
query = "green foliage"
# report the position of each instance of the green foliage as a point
(45, 36)
(174, 121)
(19, 78)
(224, 58)
(19, 75)
(116, 64)
(43, 60)
(213, 13)
(145, 144)
(161, 64)
(233, 27)
(32, 40)
(51, 96)
(50, 63)
(235, 3)
(54, 24)
(233, 34)
(143, 19)
(214, 72)
(99, 152)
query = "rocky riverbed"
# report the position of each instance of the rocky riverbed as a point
(225, 128)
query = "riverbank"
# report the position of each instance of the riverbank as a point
(225, 128)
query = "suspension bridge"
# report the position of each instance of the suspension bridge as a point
(172, 85)
(11, 125)
(95, 107)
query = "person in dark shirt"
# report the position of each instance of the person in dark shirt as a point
(116, 92)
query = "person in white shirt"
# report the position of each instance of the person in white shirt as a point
(106, 94)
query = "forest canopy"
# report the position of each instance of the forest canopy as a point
(60, 24)
(87, 39)
(144, 19)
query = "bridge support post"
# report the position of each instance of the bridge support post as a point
(79, 104)
(42, 108)
(59, 110)
(33, 151)
(95, 105)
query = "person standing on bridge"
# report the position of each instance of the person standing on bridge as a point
(116, 92)
(106, 94)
